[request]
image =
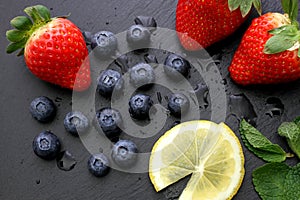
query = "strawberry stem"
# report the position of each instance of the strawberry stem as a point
(39, 14)
(286, 37)
(291, 8)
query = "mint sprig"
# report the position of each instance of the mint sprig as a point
(260, 145)
(277, 181)
(291, 131)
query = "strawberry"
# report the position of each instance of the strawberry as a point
(268, 53)
(54, 48)
(200, 23)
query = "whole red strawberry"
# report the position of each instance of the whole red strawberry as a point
(266, 59)
(54, 48)
(200, 23)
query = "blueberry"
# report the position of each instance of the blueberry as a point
(146, 22)
(98, 165)
(178, 104)
(138, 36)
(109, 120)
(46, 145)
(124, 153)
(142, 74)
(104, 43)
(108, 81)
(139, 106)
(42, 109)
(76, 122)
(175, 66)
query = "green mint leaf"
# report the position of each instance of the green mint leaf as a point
(291, 131)
(277, 181)
(260, 145)
(297, 121)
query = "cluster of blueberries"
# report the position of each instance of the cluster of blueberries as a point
(124, 152)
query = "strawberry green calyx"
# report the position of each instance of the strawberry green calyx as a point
(25, 27)
(245, 6)
(286, 36)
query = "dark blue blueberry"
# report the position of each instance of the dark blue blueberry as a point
(104, 43)
(108, 81)
(109, 120)
(138, 36)
(142, 74)
(146, 21)
(76, 122)
(175, 66)
(124, 153)
(46, 145)
(98, 165)
(42, 109)
(178, 104)
(139, 106)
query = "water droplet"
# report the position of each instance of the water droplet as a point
(38, 181)
(122, 62)
(241, 107)
(159, 98)
(58, 99)
(274, 107)
(66, 161)
(150, 58)
(224, 82)
(201, 92)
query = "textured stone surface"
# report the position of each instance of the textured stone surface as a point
(25, 176)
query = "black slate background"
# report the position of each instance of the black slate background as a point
(25, 176)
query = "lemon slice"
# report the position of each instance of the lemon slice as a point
(210, 152)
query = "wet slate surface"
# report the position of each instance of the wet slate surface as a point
(25, 176)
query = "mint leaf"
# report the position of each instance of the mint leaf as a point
(297, 121)
(277, 181)
(291, 131)
(260, 145)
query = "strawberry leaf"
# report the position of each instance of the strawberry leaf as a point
(257, 5)
(15, 35)
(291, 8)
(21, 23)
(34, 14)
(43, 11)
(285, 37)
(234, 4)
(244, 5)
(14, 46)
(277, 44)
